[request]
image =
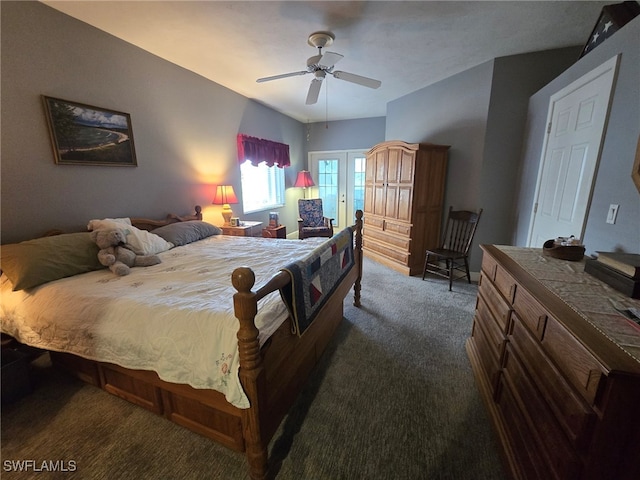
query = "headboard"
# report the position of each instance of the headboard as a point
(148, 224)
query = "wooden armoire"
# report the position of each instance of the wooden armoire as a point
(403, 203)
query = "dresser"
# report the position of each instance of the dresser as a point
(557, 366)
(403, 203)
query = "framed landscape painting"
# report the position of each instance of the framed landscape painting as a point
(86, 135)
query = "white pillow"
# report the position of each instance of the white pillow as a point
(141, 241)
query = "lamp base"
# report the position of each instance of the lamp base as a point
(227, 213)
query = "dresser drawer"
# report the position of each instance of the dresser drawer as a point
(486, 351)
(530, 312)
(500, 309)
(491, 327)
(531, 464)
(544, 429)
(383, 249)
(397, 228)
(373, 221)
(234, 232)
(505, 284)
(395, 240)
(574, 360)
(572, 412)
(489, 267)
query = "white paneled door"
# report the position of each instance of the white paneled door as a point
(575, 126)
(339, 179)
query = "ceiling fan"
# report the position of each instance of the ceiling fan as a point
(322, 64)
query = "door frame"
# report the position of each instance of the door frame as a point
(610, 65)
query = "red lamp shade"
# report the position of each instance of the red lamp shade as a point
(225, 195)
(304, 179)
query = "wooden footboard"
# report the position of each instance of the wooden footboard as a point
(271, 376)
(272, 380)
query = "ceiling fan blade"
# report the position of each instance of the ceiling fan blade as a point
(314, 91)
(329, 59)
(283, 75)
(360, 80)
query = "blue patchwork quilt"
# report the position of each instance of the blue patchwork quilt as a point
(314, 278)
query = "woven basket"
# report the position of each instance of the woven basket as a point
(572, 253)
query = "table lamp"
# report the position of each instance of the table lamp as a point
(224, 196)
(304, 180)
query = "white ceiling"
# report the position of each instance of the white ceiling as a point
(406, 45)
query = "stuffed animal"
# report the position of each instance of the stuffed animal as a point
(115, 254)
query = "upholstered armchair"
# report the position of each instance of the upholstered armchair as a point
(312, 222)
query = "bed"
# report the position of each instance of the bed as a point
(218, 347)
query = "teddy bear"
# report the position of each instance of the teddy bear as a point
(115, 254)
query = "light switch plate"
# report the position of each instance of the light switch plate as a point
(613, 213)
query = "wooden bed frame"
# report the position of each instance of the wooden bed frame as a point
(271, 376)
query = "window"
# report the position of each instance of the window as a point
(262, 187)
(358, 182)
(328, 186)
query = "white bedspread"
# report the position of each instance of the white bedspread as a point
(175, 318)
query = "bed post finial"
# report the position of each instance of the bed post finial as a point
(245, 305)
(198, 212)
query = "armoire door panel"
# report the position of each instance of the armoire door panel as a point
(405, 175)
(369, 198)
(380, 168)
(404, 203)
(379, 200)
(391, 202)
(393, 166)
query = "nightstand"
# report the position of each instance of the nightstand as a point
(248, 229)
(278, 232)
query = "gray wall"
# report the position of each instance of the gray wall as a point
(613, 182)
(481, 113)
(184, 128)
(361, 133)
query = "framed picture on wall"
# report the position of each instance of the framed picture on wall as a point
(87, 135)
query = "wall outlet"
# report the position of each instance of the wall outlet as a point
(613, 213)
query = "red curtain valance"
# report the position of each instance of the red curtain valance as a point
(258, 150)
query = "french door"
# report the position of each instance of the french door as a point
(339, 179)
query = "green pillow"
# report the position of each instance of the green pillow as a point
(34, 262)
